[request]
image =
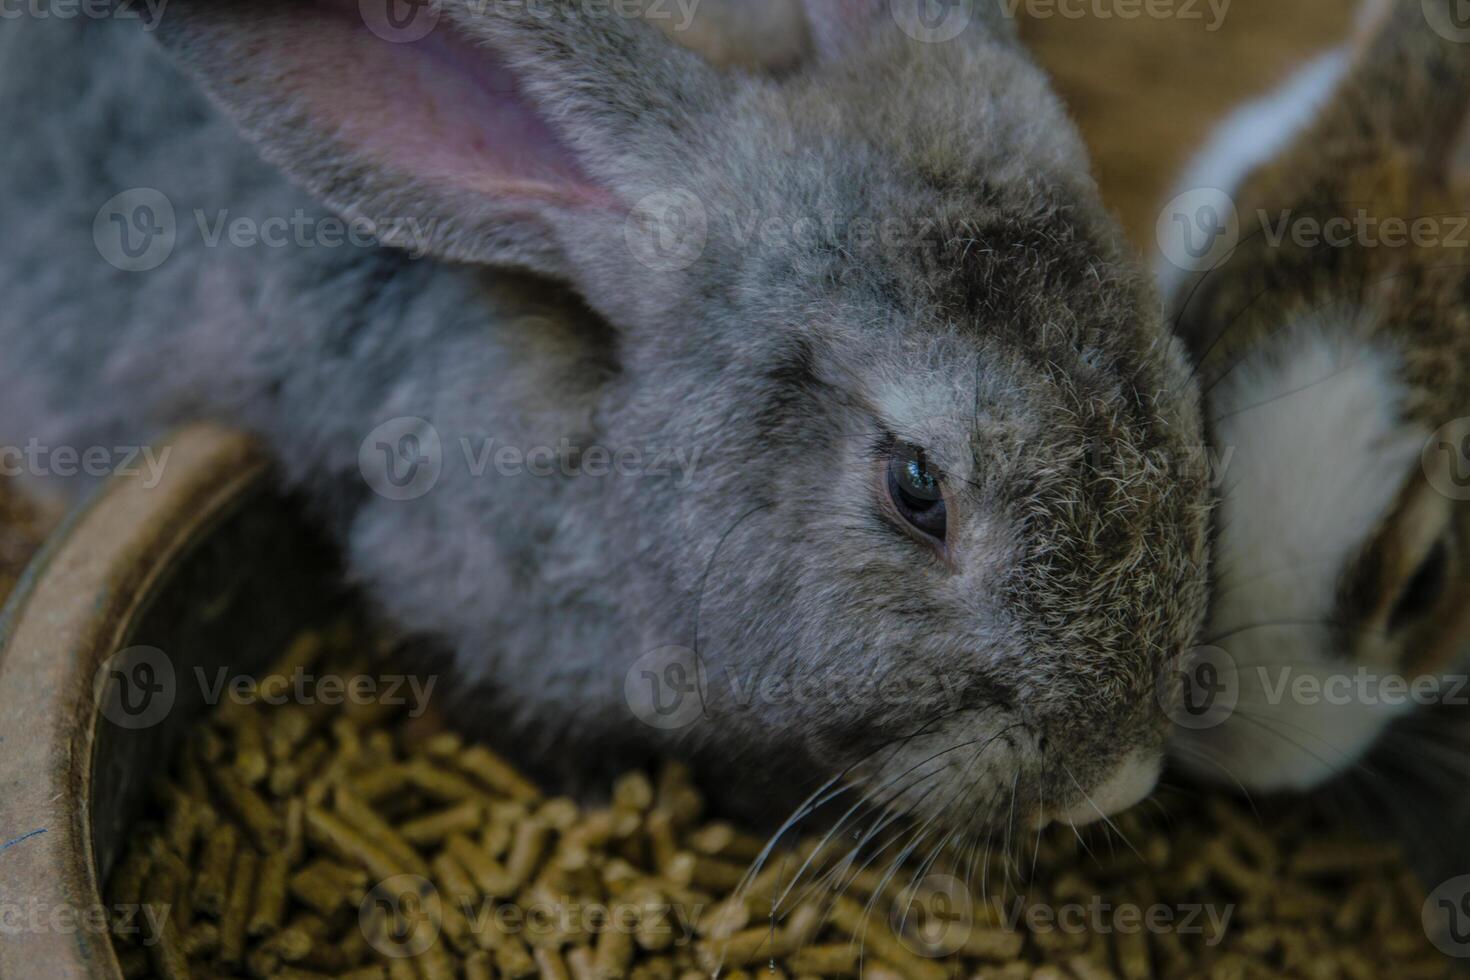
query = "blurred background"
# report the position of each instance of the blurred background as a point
(1147, 91)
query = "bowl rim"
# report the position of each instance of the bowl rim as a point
(76, 601)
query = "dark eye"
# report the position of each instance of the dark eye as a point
(1424, 590)
(915, 488)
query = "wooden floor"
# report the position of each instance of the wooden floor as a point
(1146, 91)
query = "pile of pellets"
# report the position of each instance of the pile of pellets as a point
(301, 841)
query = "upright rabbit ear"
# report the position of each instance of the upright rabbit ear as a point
(504, 133)
(841, 27)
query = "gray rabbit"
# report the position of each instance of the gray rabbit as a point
(825, 402)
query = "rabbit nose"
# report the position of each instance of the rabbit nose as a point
(1130, 783)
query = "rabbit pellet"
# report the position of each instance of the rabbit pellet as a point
(298, 842)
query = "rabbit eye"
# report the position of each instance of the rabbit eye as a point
(1424, 590)
(915, 487)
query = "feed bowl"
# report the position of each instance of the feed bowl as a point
(210, 565)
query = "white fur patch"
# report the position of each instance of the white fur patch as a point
(1254, 134)
(1314, 456)
(1130, 783)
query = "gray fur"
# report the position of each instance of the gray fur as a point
(1016, 343)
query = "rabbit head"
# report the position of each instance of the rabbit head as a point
(949, 470)
(1332, 334)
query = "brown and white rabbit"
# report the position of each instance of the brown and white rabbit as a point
(1318, 265)
(896, 326)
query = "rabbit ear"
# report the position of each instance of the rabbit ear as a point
(501, 133)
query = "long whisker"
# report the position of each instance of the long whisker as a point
(1105, 818)
(923, 762)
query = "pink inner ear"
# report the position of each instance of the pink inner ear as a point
(440, 109)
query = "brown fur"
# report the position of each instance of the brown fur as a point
(1379, 150)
